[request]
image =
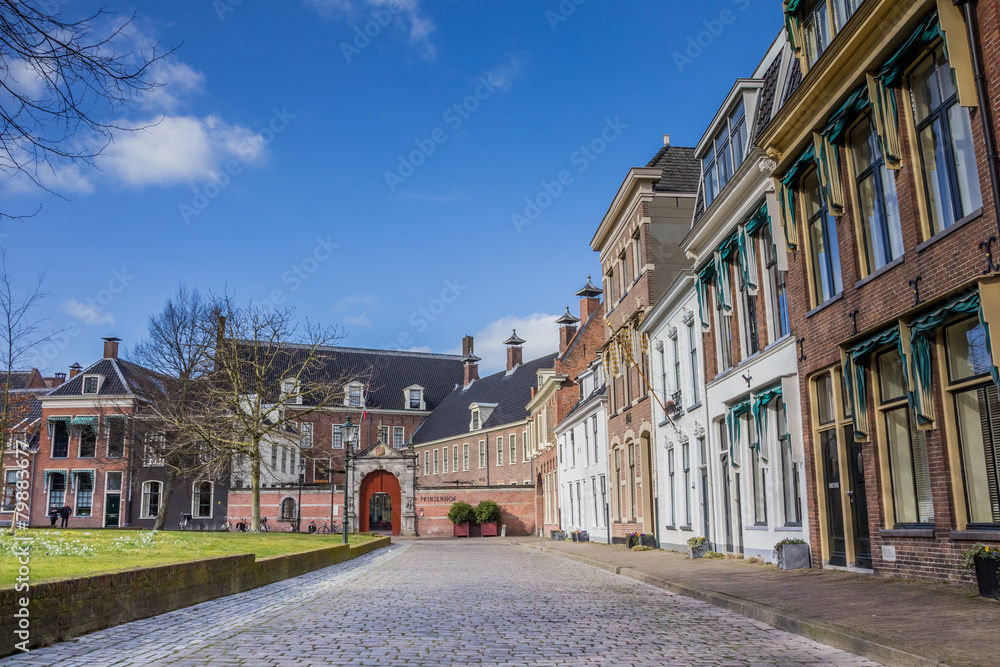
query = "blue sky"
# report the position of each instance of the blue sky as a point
(370, 181)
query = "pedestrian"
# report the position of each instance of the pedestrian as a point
(65, 513)
(54, 515)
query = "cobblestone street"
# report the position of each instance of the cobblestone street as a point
(446, 603)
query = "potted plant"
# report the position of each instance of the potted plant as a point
(698, 547)
(792, 554)
(488, 517)
(984, 562)
(461, 514)
(583, 536)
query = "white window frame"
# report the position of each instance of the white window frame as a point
(398, 430)
(290, 386)
(436, 468)
(408, 400)
(194, 499)
(427, 463)
(348, 395)
(444, 460)
(500, 446)
(335, 437)
(97, 388)
(482, 454)
(512, 449)
(144, 499)
(465, 457)
(306, 435)
(329, 469)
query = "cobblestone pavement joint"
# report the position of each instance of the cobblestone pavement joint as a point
(446, 603)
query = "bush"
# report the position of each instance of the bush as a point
(461, 511)
(787, 540)
(695, 542)
(486, 511)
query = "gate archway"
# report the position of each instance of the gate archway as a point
(380, 482)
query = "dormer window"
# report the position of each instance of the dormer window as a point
(414, 397)
(480, 414)
(475, 421)
(91, 384)
(290, 391)
(353, 396)
(725, 153)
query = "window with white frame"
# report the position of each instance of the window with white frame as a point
(337, 438)
(88, 442)
(201, 500)
(672, 484)
(292, 394)
(525, 451)
(416, 399)
(572, 448)
(354, 396)
(499, 450)
(816, 30)
(306, 435)
(454, 458)
(693, 362)
(427, 462)
(397, 437)
(512, 459)
(780, 326)
(465, 457)
(474, 424)
(84, 494)
(675, 346)
(444, 460)
(759, 474)
(435, 461)
(91, 384)
(482, 454)
(11, 478)
(790, 493)
(154, 446)
(725, 153)
(321, 471)
(383, 434)
(150, 499)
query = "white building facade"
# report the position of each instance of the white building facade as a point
(582, 439)
(681, 439)
(756, 456)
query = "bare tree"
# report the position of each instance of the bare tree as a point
(175, 423)
(61, 78)
(269, 374)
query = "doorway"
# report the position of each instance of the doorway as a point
(727, 506)
(859, 501)
(380, 512)
(835, 509)
(112, 509)
(380, 496)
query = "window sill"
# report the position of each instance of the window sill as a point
(670, 528)
(694, 407)
(833, 299)
(944, 232)
(757, 526)
(687, 528)
(789, 528)
(907, 532)
(885, 269)
(976, 535)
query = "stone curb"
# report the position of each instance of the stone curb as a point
(840, 638)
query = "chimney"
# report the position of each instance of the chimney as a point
(515, 355)
(111, 347)
(74, 370)
(56, 380)
(467, 344)
(590, 300)
(567, 330)
(470, 365)
(666, 139)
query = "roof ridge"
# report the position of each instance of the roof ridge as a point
(396, 353)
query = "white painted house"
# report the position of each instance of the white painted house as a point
(756, 458)
(583, 459)
(684, 485)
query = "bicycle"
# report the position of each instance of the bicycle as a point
(264, 528)
(325, 528)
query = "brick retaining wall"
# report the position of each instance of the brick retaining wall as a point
(67, 608)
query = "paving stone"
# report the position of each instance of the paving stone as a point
(428, 604)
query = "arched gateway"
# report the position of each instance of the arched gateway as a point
(382, 481)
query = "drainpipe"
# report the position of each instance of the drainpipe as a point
(982, 92)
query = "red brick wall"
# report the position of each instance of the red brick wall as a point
(517, 507)
(315, 506)
(492, 474)
(943, 265)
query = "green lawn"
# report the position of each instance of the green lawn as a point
(59, 553)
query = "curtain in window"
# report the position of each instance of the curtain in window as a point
(701, 287)
(73, 474)
(793, 26)
(855, 376)
(759, 410)
(920, 370)
(733, 415)
(748, 260)
(758, 220)
(785, 187)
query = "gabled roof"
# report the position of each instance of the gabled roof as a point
(387, 373)
(765, 107)
(680, 170)
(121, 378)
(510, 391)
(30, 379)
(582, 404)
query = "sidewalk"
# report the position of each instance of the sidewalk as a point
(893, 621)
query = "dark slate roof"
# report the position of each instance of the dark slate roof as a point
(387, 373)
(511, 392)
(794, 79)
(34, 406)
(121, 378)
(21, 379)
(680, 169)
(594, 395)
(765, 106)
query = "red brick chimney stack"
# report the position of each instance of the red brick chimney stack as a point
(74, 370)
(111, 347)
(567, 330)
(470, 362)
(515, 354)
(590, 300)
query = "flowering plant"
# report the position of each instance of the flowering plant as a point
(969, 556)
(695, 542)
(634, 539)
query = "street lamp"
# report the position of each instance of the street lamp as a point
(347, 431)
(302, 477)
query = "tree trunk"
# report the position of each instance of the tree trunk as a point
(255, 486)
(168, 492)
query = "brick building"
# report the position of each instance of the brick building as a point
(474, 444)
(888, 211)
(23, 433)
(639, 244)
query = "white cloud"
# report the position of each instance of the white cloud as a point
(503, 76)
(420, 348)
(405, 14)
(179, 149)
(540, 332)
(361, 320)
(351, 301)
(87, 313)
(176, 80)
(22, 79)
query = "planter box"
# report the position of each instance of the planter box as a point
(987, 577)
(648, 541)
(462, 529)
(794, 557)
(583, 537)
(575, 536)
(488, 529)
(699, 551)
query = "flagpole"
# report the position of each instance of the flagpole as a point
(646, 382)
